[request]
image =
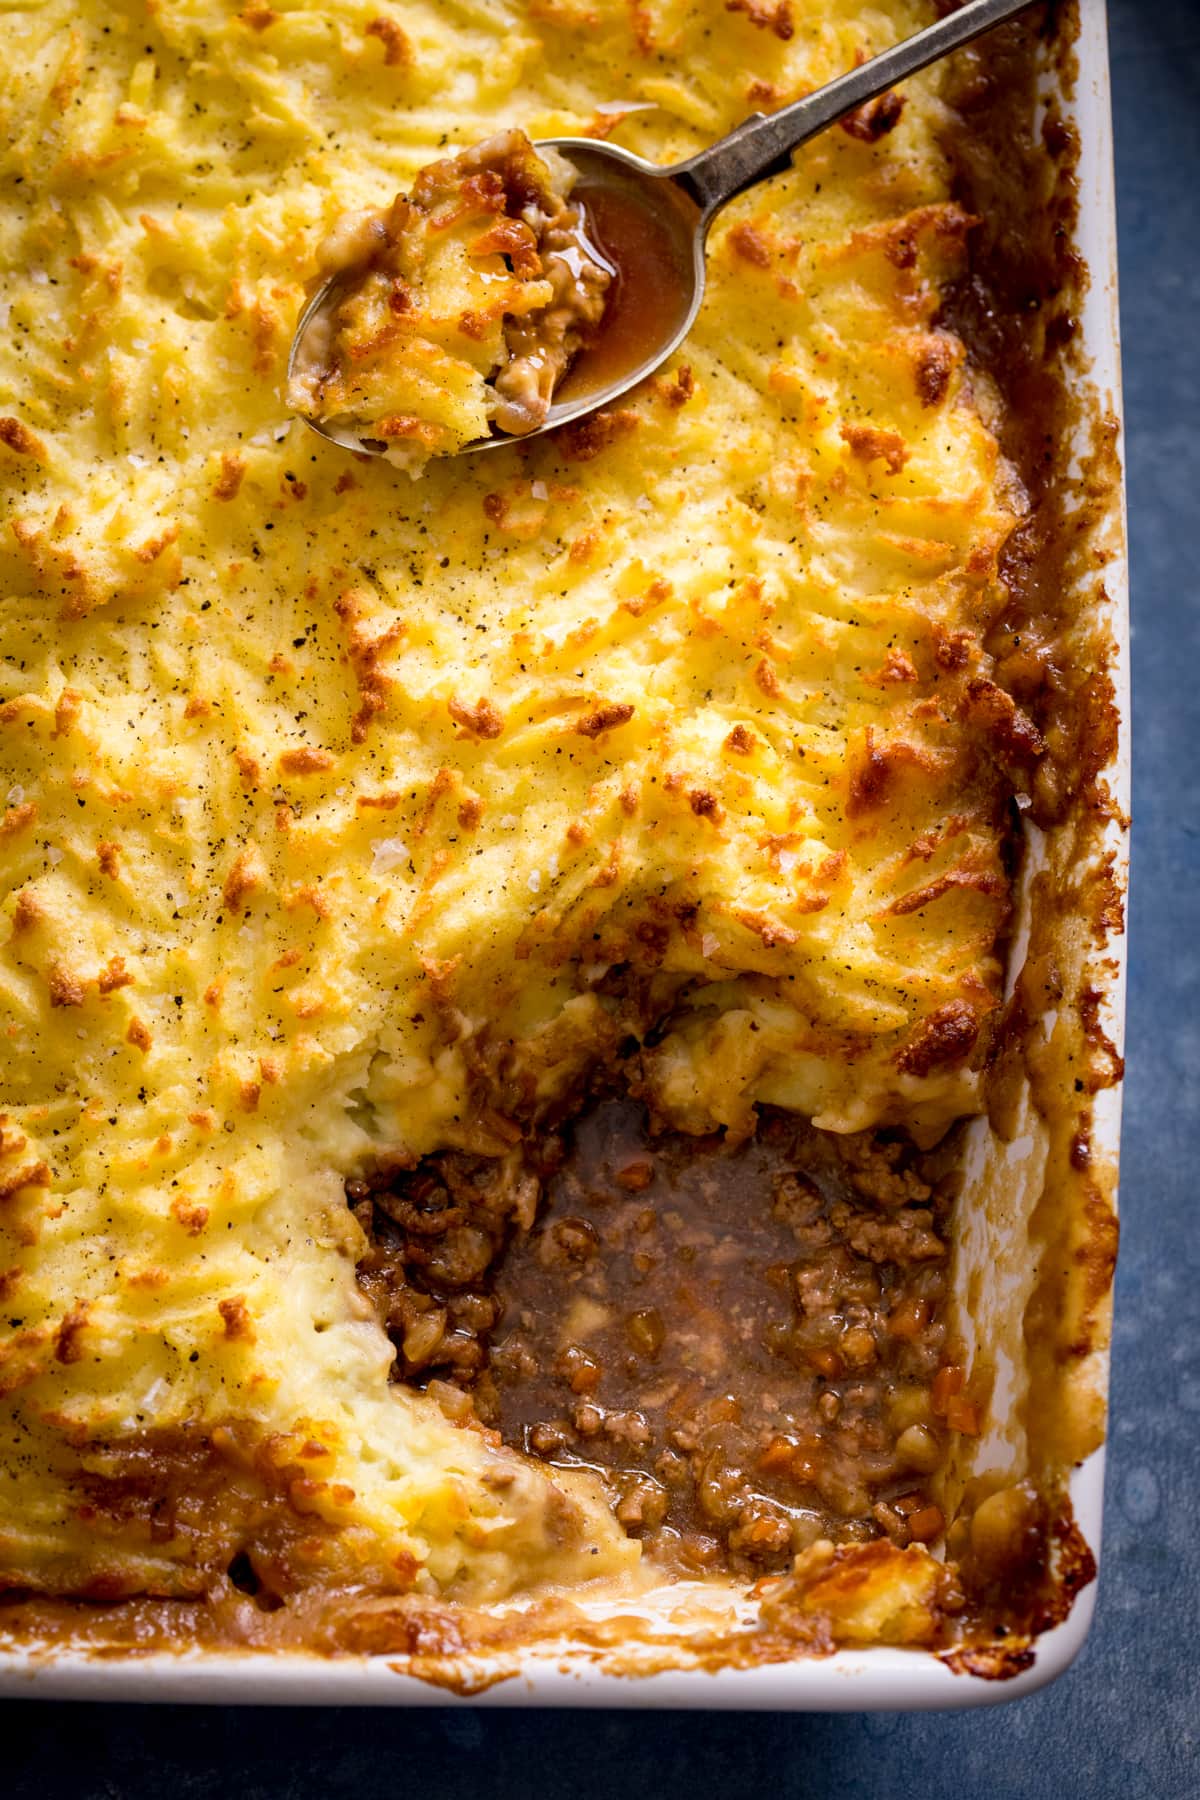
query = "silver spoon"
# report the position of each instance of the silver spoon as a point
(673, 208)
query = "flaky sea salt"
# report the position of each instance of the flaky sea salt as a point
(387, 854)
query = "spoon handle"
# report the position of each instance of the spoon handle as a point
(763, 146)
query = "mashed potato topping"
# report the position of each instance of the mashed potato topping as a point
(345, 817)
(459, 307)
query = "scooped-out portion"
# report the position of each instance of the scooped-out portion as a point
(456, 310)
(744, 1341)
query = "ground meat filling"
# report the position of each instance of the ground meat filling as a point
(542, 346)
(745, 1342)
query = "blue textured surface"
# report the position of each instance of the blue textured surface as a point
(1125, 1721)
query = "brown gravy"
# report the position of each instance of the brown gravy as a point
(651, 289)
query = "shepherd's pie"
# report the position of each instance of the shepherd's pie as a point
(353, 821)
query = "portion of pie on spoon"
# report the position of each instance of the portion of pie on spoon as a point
(455, 310)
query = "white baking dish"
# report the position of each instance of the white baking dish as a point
(849, 1680)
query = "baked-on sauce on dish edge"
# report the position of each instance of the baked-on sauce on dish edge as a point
(510, 1074)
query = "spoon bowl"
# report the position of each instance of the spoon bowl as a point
(646, 227)
(650, 225)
